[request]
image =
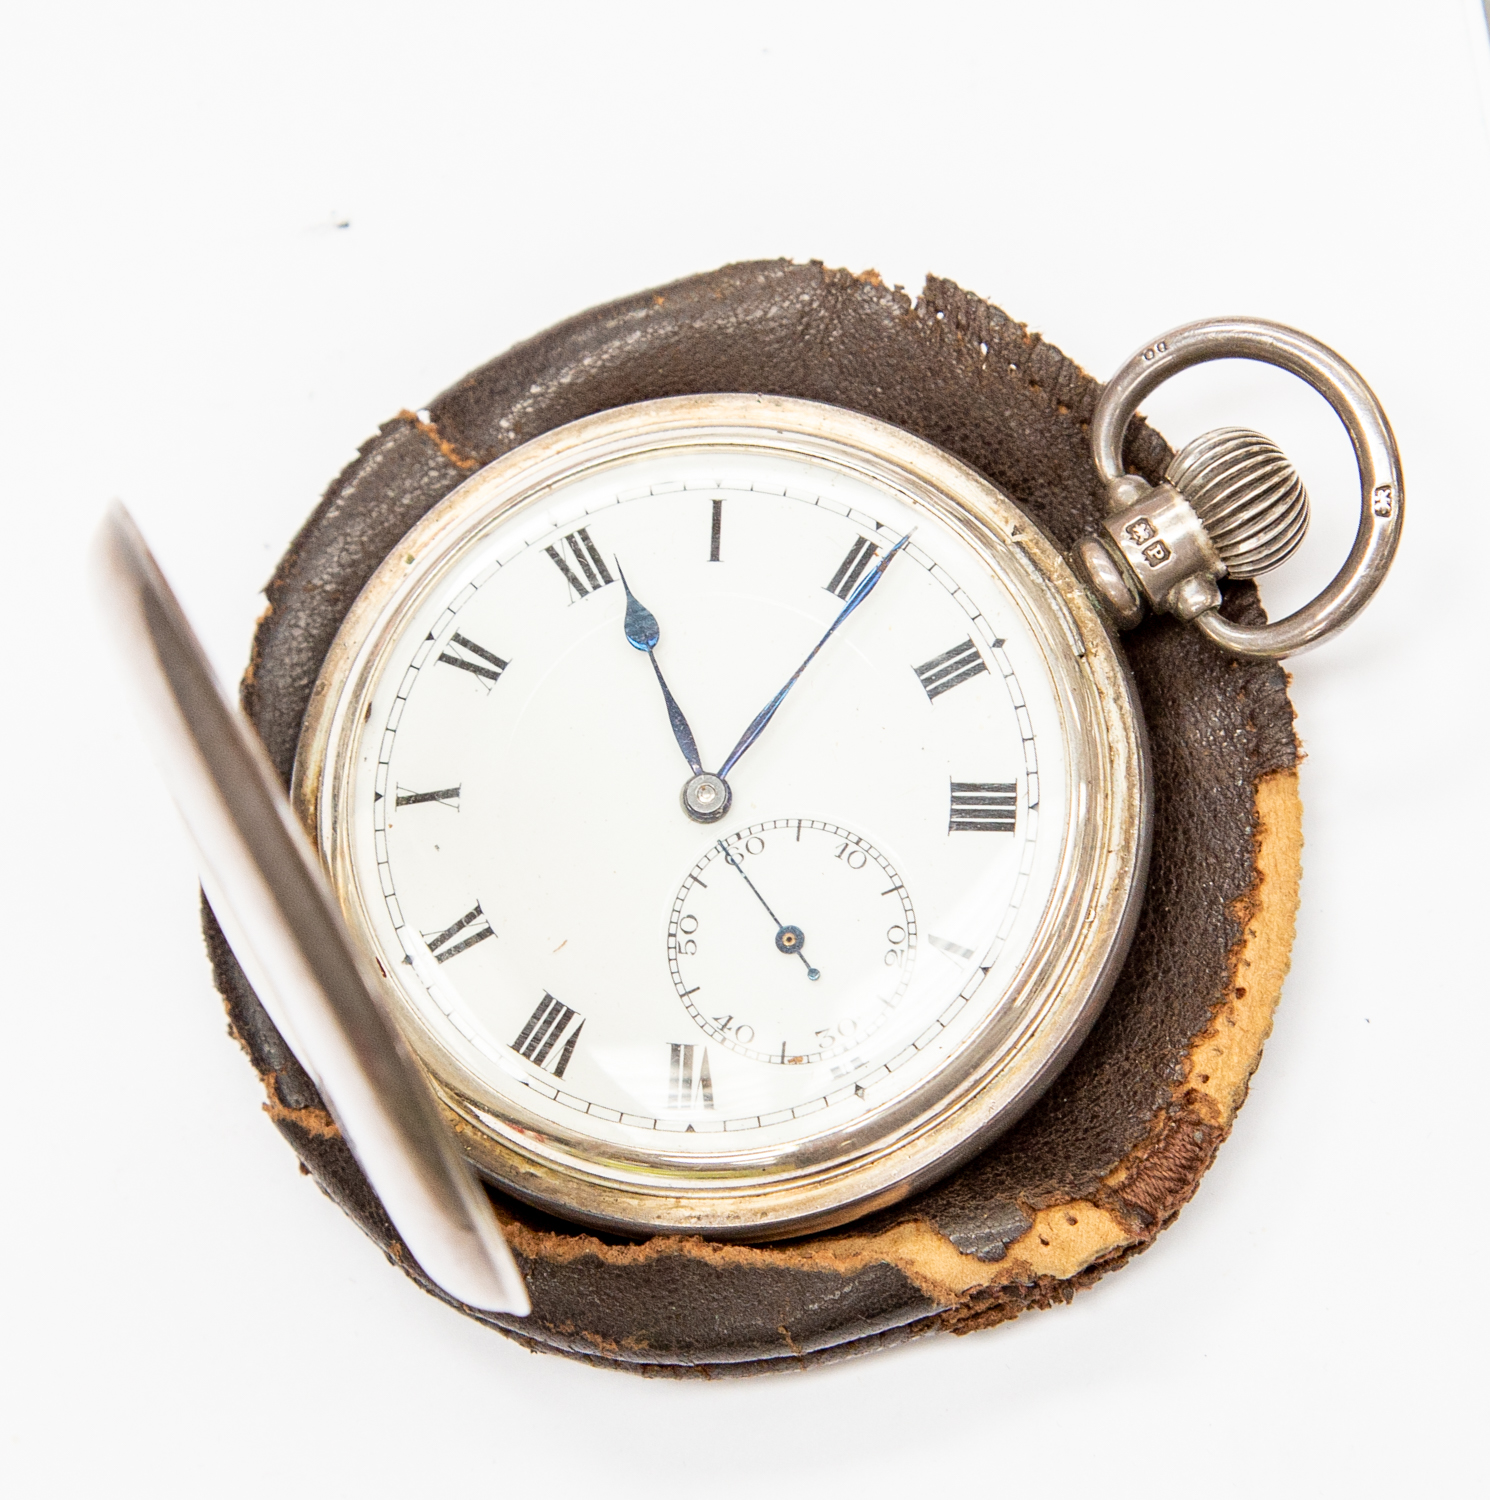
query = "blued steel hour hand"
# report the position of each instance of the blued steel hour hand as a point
(859, 595)
(643, 632)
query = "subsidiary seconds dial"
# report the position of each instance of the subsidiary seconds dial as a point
(792, 941)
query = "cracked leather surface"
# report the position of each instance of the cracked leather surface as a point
(1119, 1135)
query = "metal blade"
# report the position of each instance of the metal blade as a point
(278, 912)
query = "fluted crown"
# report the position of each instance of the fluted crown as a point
(1249, 497)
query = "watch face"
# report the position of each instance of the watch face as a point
(766, 996)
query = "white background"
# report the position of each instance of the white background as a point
(186, 328)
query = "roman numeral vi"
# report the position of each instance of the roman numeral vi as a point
(550, 1021)
(685, 1088)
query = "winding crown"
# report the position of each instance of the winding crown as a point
(1247, 494)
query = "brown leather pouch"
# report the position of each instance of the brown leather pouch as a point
(1117, 1146)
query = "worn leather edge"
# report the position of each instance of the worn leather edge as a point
(1068, 1246)
(1078, 1242)
(1071, 1245)
(410, 463)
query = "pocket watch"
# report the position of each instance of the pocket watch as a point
(740, 808)
(678, 960)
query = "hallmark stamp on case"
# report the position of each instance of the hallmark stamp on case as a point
(1145, 535)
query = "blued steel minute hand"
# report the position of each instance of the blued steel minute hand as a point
(859, 595)
(643, 632)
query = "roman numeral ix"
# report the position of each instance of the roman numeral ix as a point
(476, 660)
(685, 1089)
(860, 555)
(587, 555)
(475, 927)
(982, 807)
(449, 797)
(944, 672)
(551, 1021)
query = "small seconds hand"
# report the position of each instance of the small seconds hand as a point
(788, 939)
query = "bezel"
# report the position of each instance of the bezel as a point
(1070, 964)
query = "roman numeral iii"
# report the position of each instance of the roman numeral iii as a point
(552, 1022)
(944, 672)
(685, 1088)
(982, 807)
(463, 933)
(476, 660)
(587, 556)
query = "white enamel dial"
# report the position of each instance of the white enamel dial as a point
(682, 1013)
